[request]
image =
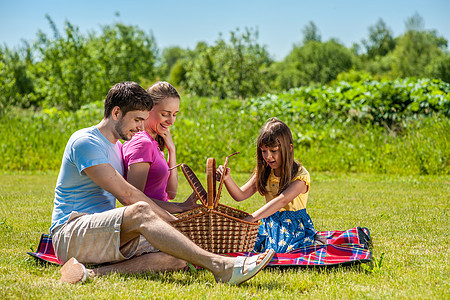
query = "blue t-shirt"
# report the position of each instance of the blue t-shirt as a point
(75, 191)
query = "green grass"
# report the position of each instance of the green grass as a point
(408, 217)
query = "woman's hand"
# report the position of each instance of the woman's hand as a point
(172, 182)
(167, 137)
(220, 172)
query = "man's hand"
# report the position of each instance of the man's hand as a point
(191, 202)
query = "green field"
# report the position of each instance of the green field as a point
(377, 151)
(408, 217)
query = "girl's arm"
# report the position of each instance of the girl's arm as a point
(137, 174)
(236, 192)
(294, 189)
(172, 182)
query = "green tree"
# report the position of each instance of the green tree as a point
(414, 52)
(418, 52)
(314, 62)
(311, 33)
(177, 75)
(124, 53)
(72, 69)
(17, 88)
(169, 57)
(64, 68)
(415, 23)
(439, 68)
(237, 68)
(380, 41)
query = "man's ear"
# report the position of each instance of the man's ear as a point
(116, 113)
(291, 147)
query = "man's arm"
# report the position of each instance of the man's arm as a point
(110, 180)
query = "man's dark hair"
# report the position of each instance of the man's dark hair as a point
(128, 96)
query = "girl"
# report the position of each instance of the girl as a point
(145, 165)
(285, 183)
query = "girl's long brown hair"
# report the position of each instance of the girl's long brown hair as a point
(275, 133)
(158, 92)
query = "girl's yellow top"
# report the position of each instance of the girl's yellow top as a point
(298, 202)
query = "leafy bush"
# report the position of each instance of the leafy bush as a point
(341, 128)
(383, 103)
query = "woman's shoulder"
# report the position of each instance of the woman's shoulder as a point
(139, 140)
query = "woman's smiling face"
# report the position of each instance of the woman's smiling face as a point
(162, 116)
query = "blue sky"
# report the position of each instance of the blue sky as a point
(184, 23)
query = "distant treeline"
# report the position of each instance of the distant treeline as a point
(70, 69)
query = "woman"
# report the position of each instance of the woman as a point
(145, 165)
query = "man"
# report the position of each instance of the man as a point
(86, 226)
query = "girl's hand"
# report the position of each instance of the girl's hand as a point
(220, 172)
(249, 219)
(167, 137)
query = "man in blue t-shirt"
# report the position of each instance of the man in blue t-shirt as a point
(88, 228)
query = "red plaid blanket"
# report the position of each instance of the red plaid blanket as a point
(44, 252)
(343, 247)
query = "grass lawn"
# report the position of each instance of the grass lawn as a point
(408, 218)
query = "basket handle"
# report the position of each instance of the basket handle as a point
(195, 184)
(216, 201)
(210, 182)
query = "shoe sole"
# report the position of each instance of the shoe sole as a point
(72, 271)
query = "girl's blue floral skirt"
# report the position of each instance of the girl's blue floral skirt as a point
(285, 231)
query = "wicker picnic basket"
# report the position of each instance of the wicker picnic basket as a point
(215, 227)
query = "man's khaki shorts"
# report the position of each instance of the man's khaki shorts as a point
(95, 239)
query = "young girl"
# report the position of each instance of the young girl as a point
(285, 183)
(145, 165)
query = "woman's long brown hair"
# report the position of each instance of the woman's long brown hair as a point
(275, 133)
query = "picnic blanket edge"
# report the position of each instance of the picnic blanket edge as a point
(45, 255)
